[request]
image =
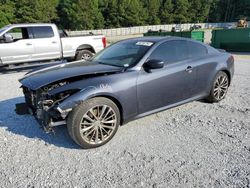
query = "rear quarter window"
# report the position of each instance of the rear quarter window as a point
(196, 50)
(42, 32)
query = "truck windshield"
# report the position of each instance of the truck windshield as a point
(3, 29)
(123, 54)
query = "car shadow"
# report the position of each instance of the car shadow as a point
(204, 101)
(26, 125)
(11, 71)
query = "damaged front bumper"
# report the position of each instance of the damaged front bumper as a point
(43, 117)
(44, 110)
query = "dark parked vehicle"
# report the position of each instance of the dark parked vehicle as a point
(194, 27)
(128, 80)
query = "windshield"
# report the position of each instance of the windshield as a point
(123, 54)
(3, 29)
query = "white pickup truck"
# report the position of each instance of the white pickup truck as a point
(22, 43)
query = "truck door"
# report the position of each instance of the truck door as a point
(18, 49)
(46, 43)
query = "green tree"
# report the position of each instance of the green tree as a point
(112, 14)
(215, 13)
(80, 14)
(63, 11)
(7, 9)
(132, 13)
(153, 7)
(166, 12)
(33, 11)
(97, 15)
(199, 10)
(235, 9)
(229, 10)
(181, 11)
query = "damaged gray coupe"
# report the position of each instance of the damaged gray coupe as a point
(128, 80)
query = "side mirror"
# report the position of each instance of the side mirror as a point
(8, 38)
(153, 64)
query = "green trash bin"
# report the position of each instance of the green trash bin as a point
(196, 35)
(237, 40)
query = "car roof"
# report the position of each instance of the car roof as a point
(30, 24)
(156, 39)
(151, 39)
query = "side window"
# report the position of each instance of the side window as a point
(196, 50)
(171, 51)
(18, 33)
(42, 32)
(182, 50)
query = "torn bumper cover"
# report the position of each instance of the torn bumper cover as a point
(43, 117)
(45, 110)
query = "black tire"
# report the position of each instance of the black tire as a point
(83, 55)
(219, 87)
(78, 120)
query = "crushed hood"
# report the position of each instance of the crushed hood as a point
(48, 75)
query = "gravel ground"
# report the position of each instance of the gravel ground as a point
(194, 145)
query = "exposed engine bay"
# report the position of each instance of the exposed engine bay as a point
(43, 106)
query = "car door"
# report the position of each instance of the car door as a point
(169, 85)
(46, 43)
(19, 50)
(203, 64)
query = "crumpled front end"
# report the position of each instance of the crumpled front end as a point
(46, 89)
(44, 107)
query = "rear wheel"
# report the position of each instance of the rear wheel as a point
(220, 87)
(94, 122)
(84, 55)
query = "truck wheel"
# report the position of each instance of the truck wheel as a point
(94, 122)
(84, 55)
(219, 88)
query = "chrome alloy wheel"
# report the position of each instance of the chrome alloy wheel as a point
(98, 124)
(221, 87)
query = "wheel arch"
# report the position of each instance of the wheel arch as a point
(85, 47)
(212, 78)
(90, 93)
(116, 101)
(228, 74)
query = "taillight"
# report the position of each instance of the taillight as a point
(104, 42)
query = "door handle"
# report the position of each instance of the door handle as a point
(54, 42)
(189, 69)
(28, 44)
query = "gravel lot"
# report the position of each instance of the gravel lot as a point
(194, 145)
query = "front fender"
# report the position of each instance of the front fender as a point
(84, 94)
(119, 87)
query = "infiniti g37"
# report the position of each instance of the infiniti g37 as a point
(128, 80)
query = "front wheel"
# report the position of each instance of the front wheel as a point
(94, 122)
(219, 88)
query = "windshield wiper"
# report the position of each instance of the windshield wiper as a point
(109, 64)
